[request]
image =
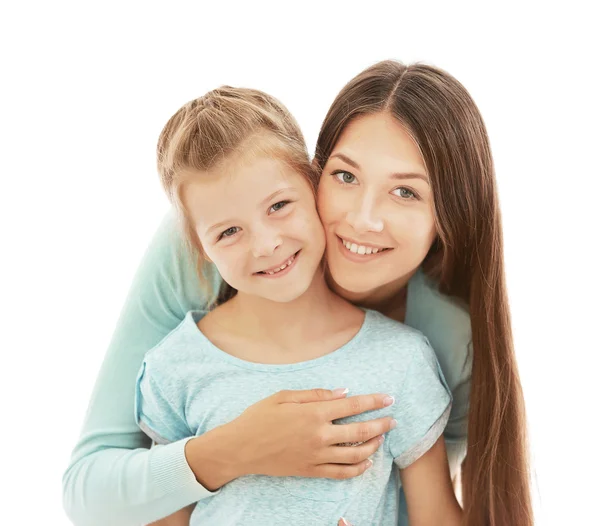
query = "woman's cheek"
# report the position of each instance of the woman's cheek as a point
(337, 206)
(421, 227)
(325, 201)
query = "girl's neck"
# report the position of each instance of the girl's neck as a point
(286, 324)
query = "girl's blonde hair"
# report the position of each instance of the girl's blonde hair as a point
(466, 261)
(206, 132)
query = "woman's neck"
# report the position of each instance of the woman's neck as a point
(389, 299)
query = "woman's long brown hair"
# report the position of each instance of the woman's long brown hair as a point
(466, 261)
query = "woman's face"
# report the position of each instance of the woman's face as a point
(376, 205)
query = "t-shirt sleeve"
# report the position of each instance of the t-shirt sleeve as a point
(112, 477)
(158, 412)
(422, 409)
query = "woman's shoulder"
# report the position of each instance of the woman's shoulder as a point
(444, 321)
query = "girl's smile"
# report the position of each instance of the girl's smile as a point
(280, 270)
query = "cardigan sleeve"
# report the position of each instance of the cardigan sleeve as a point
(113, 477)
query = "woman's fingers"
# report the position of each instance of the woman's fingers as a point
(352, 454)
(360, 431)
(341, 471)
(310, 395)
(356, 405)
(343, 522)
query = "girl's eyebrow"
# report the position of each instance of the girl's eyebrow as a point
(221, 224)
(218, 225)
(276, 193)
(399, 175)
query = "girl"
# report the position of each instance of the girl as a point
(454, 293)
(235, 166)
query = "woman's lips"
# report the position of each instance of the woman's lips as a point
(358, 257)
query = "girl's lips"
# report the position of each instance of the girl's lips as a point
(359, 258)
(283, 272)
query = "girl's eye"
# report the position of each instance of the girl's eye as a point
(405, 193)
(232, 231)
(278, 206)
(344, 177)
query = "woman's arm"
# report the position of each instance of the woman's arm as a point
(113, 478)
(428, 488)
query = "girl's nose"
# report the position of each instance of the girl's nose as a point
(265, 242)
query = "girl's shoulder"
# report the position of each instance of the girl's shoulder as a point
(183, 341)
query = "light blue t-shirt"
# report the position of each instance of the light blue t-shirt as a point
(187, 386)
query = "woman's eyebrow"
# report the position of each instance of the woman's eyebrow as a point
(399, 175)
(346, 159)
(410, 175)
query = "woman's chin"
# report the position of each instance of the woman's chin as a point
(350, 286)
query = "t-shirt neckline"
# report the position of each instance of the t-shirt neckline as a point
(193, 317)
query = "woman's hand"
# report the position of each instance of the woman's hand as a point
(291, 434)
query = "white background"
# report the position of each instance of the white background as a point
(85, 90)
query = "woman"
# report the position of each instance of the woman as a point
(408, 200)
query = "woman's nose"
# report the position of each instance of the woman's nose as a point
(364, 217)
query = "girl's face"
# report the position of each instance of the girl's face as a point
(376, 205)
(257, 221)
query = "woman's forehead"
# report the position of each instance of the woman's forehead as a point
(379, 136)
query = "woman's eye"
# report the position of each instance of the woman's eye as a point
(278, 206)
(405, 193)
(232, 231)
(344, 177)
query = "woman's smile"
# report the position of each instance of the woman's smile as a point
(360, 253)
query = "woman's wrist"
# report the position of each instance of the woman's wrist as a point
(214, 457)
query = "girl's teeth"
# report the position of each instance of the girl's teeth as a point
(288, 262)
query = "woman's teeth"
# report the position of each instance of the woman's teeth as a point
(275, 271)
(361, 249)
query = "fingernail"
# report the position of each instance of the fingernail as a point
(388, 400)
(369, 463)
(381, 439)
(393, 423)
(344, 521)
(341, 391)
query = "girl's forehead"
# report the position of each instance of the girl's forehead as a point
(241, 189)
(258, 173)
